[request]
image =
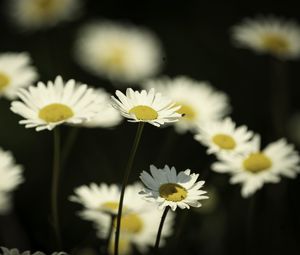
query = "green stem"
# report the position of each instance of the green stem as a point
(161, 224)
(110, 231)
(251, 224)
(66, 149)
(125, 181)
(55, 184)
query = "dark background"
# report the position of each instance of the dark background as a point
(196, 40)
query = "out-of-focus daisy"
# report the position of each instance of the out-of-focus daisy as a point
(258, 166)
(15, 72)
(276, 36)
(139, 221)
(224, 137)
(10, 178)
(46, 106)
(7, 251)
(35, 14)
(146, 106)
(167, 188)
(125, 247)
(107, 116)
(200, 102)
(122, 53)
(101, 198)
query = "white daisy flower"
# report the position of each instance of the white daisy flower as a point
(200, 102)
(36, 14)
(100, 198)
(224, 137)
(7, 251)
(272, 35)
(122, 53)
(146, 106)
(15, 72)
(10, 178)
(107, 116)
(139, 222)
(46, 106)
(258, 166)
(167, 188)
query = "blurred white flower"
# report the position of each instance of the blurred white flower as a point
(7, 251)
(16, 72)
(107, 115)
(258, 166)
(143, 106)
(200, 102)
(46, 106)
(165, 188)
(140, 219)
(36, 14)
(10, 178)
(224, 137)
(272, 35)
(119, 52)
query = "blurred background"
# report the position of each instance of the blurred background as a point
(195, 36)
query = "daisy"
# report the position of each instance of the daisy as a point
(7, 251)
(167, 188)
(200, 102)
(125, 247)
(224, 137)
(272, 35)
(15, 72)
(258, 166)
(146, 106)
(35, 14)
(139, 220)
(100, 198)
(46, 106)
(10, 178)
(107, 116)
(120, 52)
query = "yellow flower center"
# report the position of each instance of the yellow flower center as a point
(130, 223)
(186, 111)
(225, 142)
(55, 113)
(172, 192)
(4, 81)
(48, 6)
(110, 206)
(257, 162)
(115, 58)
(275, 43)
(144, 112)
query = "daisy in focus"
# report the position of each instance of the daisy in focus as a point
(10, 178)
(107, 116)
(48, 105)
(272, 35)
(35, 14)
(224, 137)
(139, 221)
(150, 107)
(260, 166)
(119, 52)
(16, 72)
(200, 102)
(167, 188)
(7, 251)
